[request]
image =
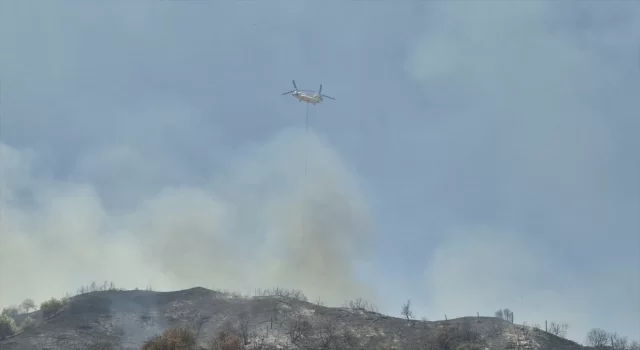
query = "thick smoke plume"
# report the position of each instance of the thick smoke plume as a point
(259, 223)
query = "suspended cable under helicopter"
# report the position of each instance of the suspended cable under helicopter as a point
(306, 137)
(310, 97)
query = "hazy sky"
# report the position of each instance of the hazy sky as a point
(479, 155)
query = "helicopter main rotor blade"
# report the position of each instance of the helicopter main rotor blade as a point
(328, 97)
(294, 84)
(320, 90)
(285, 93)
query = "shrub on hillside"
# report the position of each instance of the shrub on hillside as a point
(7, 326)
(298, 328)
(28, 323)
(180, 338)
(282, 292)
(227, 341)
(51, 307)
(361, 304)
(10, 311)
(451, 337)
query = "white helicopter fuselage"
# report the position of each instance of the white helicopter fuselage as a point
(304, 97)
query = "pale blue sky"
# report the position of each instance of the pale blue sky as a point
(479, 155)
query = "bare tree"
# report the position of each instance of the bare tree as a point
(28, 304)
(597, 338)
(508, 315)
(326, 333)
(281, 292)
(504, 314)
(523, 337)
(558, 329)
(361, 304)
(406, 310)
(298, 328)
(525, 329)
(244, 319)
(349, 339)
(635, 345)
(618, 342)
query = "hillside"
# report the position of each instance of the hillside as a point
(126, 319)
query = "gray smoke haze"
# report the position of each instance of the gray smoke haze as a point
(500, 137)
(262, 224)
(539, 123)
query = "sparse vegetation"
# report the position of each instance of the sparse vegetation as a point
(618, 342)
(245, 321)
(406, 310)
(327, 334)
(180, 338)
(505, 314)
(600, 339)
(558, 329)
(523, 338)
(94, 287)
(301, 325)
(597, 338)
(298, 328)
(281, 292)
(361, 304)
(226, 341)
(449, 337)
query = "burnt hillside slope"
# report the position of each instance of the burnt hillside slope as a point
(126, 319)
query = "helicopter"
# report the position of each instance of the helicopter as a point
(307, 95)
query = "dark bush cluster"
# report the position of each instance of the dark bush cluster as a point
(10, 314)
(450, 337)
(7, 326)
(180, 338)
(51, 307)
(227, 341)
(184, 338)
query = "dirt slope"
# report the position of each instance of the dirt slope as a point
(126, 319)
